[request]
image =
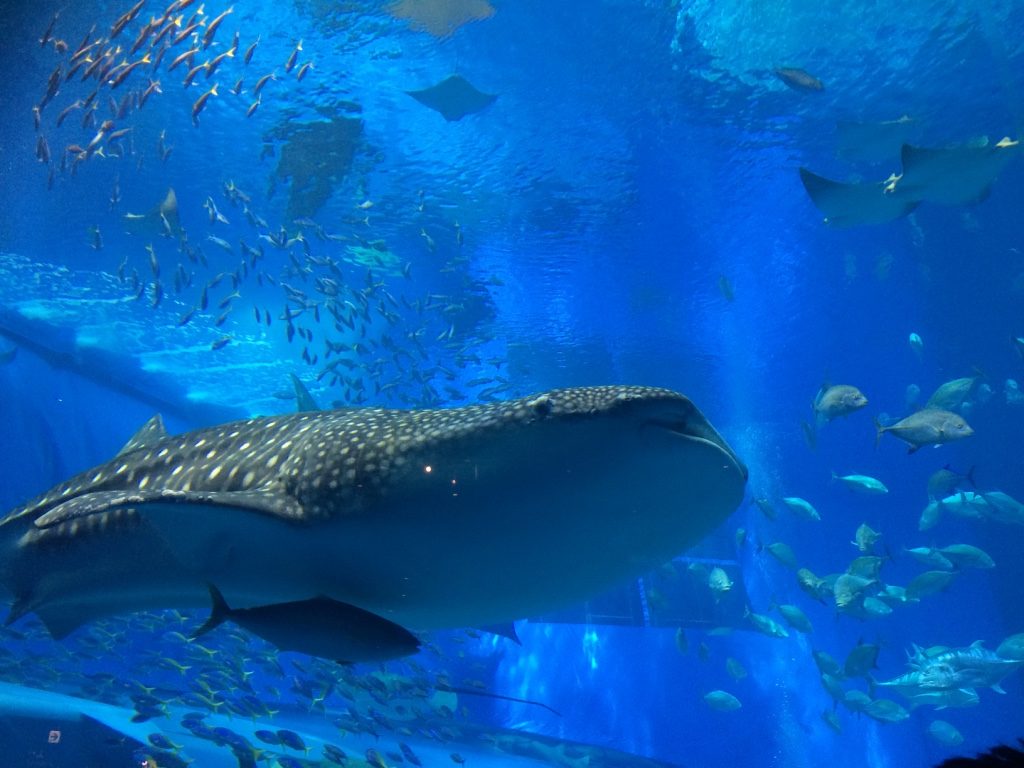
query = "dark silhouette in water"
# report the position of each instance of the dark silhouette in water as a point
(999, 757)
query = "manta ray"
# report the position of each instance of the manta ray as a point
(440, 17)
(853, 204)
(954, 175)
(424, 518)
(162, 220)
(947, 176)
(454, 97)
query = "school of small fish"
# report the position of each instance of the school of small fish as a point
(229, 672)
(335, 285)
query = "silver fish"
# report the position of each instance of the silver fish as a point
(931, 426)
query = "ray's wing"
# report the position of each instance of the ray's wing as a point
(440, 17)
(161, 220)
(953, 176)
(848, 205)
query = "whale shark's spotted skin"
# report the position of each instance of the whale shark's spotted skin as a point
(321, 461)
(319, 470)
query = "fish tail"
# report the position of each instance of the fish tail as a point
(879, 431)
(218, 613)
(970, 477)
(811, 432)
(820, 419)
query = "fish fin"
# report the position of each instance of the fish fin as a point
(304, 400)
(265, 500)
(148, 434)
(817, 397)
(506, 630)
(811, 432)
(63, 620)
(970, 476)
(218, 613)
(913, 449)
(819, 418)
(879, 431)
(997, 688)
(18, 609)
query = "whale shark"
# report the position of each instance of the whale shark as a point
(427, 519)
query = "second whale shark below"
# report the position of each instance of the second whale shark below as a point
(426, 519)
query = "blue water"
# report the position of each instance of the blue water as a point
(576, 231)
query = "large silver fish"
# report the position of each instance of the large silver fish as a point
(428, 518)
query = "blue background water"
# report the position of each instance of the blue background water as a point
(636, 153)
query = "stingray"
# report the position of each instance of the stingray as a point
(424, 519)
(162, 220)
(454, 97)
(848, 205)
(954, 175)
(441, 17)
(316, 157)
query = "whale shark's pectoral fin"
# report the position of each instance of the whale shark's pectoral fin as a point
(267, 501)
(506, 630)
(59, 621)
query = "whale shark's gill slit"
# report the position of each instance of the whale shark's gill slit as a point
(679, 427)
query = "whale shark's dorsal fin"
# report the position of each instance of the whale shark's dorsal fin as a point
(303, 399)
(149, 433)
